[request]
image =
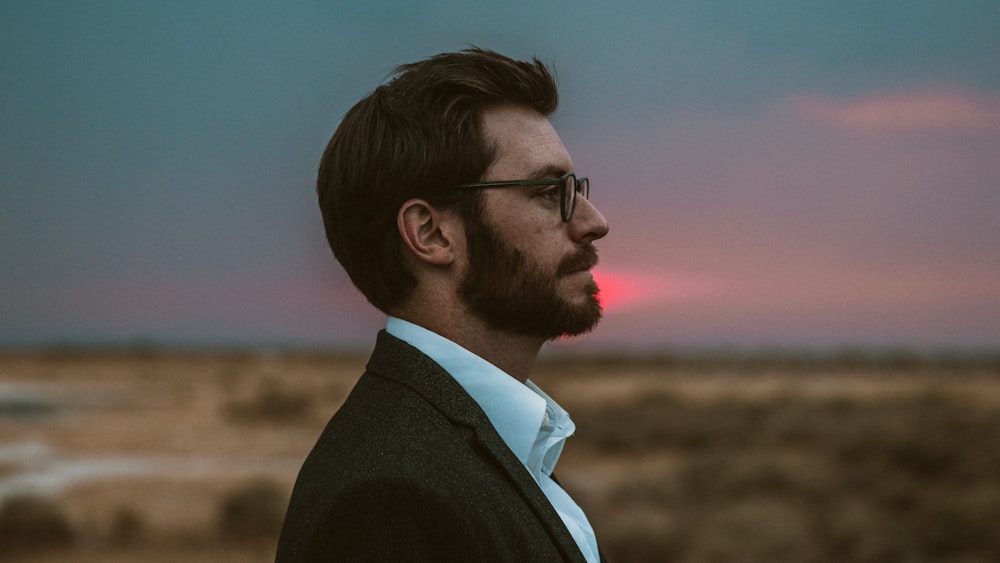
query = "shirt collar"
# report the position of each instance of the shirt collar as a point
(516, 410)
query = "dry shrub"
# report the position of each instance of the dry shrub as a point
(127, 526)
(800, 478)
(663, 419)
(754, 474)
(963, 524)
(33, 522)
(855, 532)
(754, 531)
(272, 403)
(636, 535)
(255, 510)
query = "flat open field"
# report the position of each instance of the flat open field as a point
(142, 456)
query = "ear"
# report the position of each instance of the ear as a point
(428, 232)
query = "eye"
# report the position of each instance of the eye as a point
(550, 192)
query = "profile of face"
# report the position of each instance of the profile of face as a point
(528, 271)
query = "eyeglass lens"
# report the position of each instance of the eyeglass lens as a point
(568, 197)
(570, 188)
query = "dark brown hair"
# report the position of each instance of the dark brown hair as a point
(418, 132)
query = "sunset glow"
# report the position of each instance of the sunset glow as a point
(633, 289)
(773, 174)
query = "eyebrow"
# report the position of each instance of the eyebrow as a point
(548, 171)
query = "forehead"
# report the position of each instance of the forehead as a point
(526, 145)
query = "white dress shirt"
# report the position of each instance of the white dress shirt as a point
(532, 425)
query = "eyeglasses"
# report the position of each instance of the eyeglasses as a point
(569, 187)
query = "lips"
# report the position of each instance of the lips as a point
(581, 261)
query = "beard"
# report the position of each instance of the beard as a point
(514, 295)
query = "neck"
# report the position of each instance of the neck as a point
(512, 353)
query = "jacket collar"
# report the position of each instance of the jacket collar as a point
(400, 362)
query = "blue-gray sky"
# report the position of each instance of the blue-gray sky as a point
(774, 173)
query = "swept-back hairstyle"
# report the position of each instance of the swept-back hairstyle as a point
(420, 131)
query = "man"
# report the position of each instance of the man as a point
(451, 202)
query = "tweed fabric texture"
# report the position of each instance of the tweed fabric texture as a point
(410, 469)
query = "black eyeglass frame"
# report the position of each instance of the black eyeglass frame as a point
(567, 197)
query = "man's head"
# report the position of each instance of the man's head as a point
(522, 262)
(411, 136)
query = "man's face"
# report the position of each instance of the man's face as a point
(528, 271)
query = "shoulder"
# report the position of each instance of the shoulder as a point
(392, 519)
(387, 463)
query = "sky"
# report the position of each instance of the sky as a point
(775, 173)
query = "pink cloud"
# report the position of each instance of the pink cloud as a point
(904, 111)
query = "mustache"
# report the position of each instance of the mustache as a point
(585, 259)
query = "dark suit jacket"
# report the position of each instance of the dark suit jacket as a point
(410, 469)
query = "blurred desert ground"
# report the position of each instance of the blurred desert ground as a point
(146, 455)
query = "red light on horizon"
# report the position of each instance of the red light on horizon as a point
(623, 289)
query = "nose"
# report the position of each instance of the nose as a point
(587, 223)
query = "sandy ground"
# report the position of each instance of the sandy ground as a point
(162, 439)
(156, 441)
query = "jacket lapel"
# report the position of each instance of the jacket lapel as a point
(397, 360)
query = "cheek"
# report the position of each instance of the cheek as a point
(530, 230)
(533, 241)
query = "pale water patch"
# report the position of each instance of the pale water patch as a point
(23, 402)
(31, 402)
(35, 468)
